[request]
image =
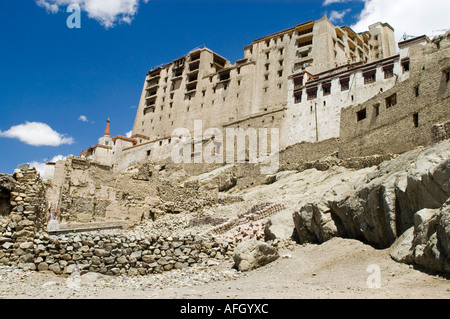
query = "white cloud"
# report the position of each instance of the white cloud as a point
(83, 118)
(40, 166)
(108, 13)
(128, 134)
(338, 16)
(36, 134)
(327, 2)
(413, 17)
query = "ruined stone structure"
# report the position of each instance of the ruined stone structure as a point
(24, 241)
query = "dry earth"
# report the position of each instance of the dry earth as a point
(336, 269)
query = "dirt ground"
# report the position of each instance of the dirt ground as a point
(337, 269)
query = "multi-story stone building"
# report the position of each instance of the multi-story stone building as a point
(297, 80)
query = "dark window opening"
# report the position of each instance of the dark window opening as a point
(305, 43)
(298, 82)
(311, 93)
(388, 71)
(391, 100)
(405, 65)
(195, 56)
(416, 91)
(370, 76)
(305, 31)
(326, 87)
(376, 109)
(416, 119)
(149, 152)
(361, 115)
(447, 76)
(297, 97)
(224, 76)
(5, 205)
(345, 84)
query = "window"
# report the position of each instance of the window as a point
(266, 77)
(345, 83)
(391, 100)
(298, 82)
(405, 65)
(369, 76)
(326, 87)
(281, 62)
(149, 152)
(447, 76)
(416, 119)
(305, 43)
(388, 71)
(297, 97)
(267, 66)
(280, 73)
(311, 93)
(376, 109)
(361, 115)
(160, 143)
(416, 91)
(267, 55)
(281, 51)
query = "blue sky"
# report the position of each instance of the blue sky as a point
(59, 85)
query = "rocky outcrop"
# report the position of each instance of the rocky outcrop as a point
(385, 204)
(252, 254)
(427, 243)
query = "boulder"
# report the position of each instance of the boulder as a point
(402, 249)
(280, 226)
(252, 254)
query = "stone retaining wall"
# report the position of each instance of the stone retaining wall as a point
(112, 254)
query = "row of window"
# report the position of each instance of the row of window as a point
(370, 76)
(390, 101)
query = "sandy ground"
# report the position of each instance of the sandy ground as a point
(337, 269)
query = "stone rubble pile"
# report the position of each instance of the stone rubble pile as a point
(252, 230)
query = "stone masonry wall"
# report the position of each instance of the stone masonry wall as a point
(25, 243)
(379, 127)
(112, 254)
